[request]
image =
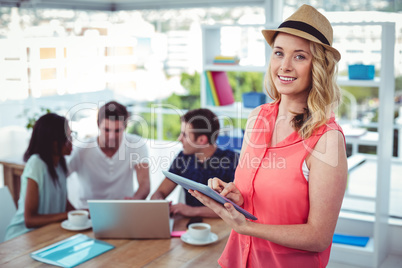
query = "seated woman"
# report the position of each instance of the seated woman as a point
(43, 195)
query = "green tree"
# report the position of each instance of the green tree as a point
(243, 82)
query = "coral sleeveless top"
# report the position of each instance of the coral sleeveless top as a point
(276, 192)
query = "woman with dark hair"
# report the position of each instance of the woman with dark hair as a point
(43, 195)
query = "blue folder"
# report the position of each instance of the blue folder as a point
(72, 251)
(360, 241)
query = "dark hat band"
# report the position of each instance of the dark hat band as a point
(298, 25)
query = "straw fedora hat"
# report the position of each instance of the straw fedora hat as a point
(309, 24)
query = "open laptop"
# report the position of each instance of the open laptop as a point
(130, 219)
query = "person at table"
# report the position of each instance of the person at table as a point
(296, 182)
(43, 195)
(105, 165)
(199, 160)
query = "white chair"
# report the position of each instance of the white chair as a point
(8, 210)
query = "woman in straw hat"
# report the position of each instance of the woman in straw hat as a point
(293, 169)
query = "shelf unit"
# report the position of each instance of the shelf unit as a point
(377, 248)
(213, 44)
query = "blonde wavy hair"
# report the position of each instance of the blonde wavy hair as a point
(324, 95)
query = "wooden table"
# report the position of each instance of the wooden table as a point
(128, 253)
(12, 171)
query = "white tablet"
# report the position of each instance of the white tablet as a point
(189, 184)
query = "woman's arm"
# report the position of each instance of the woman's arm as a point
(32, 218)
(327, 183)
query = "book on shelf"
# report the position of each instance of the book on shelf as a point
(222, 57)
(225, 62)
(222, 87)
(211, 87)
(72, 251)
(228, 60)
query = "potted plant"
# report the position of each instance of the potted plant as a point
(31, 118)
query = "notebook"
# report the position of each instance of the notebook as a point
(130, 219)
(72, 251)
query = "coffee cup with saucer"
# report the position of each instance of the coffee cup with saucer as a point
(77, 220)
(199, 234)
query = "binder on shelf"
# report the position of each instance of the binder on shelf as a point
(222, 87)
(210, 98)
(211, 84)
(72, 251)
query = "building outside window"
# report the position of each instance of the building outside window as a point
(71, 61)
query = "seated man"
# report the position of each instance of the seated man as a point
(199, 161)
(105, 165)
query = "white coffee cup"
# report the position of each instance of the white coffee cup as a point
(78, 218)
(199, 231)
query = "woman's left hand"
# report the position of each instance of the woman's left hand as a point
(227, 212)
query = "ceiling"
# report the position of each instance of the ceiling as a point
(116, 5)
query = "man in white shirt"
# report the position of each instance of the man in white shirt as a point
(105, 165)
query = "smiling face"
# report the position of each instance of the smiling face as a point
(291, 65)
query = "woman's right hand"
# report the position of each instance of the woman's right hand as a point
(228, 190)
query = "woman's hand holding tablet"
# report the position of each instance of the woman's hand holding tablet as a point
(189, 184)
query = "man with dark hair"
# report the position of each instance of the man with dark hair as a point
(105, 165)
(199, 161)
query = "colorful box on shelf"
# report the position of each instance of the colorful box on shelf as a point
(361, 72)
(228, 142)
(253, 99)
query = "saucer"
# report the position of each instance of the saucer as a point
(187, 239)
(67, 225)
